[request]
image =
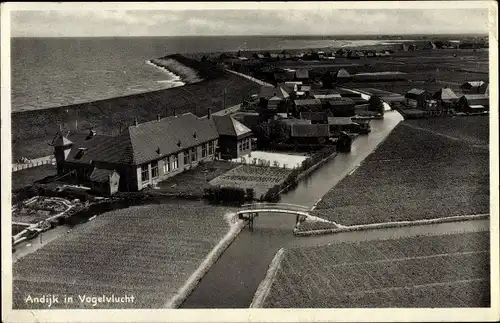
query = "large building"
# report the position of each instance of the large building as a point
(143, 154)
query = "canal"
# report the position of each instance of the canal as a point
(234, 278)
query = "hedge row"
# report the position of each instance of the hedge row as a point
(229, 195)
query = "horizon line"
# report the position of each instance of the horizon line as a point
(265, 35)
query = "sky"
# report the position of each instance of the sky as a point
(119, 23)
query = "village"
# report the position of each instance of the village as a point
(304, 111)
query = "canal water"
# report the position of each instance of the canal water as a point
(234, 278)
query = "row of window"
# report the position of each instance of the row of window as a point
(172, 162)
(244, 144)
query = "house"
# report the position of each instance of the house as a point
(307, 105)
(303, 133)
(235, 139)
(343, 107)
(446, 97)
(104, 181)
(474, 103)
(327, 97)
(416, 98)
(273, 99)
(472, 87)
(143, 154)
(343, 76)
(302, 75)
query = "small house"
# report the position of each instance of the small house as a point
(235, 139)
(416, 98)
(302, 75)
(343, 107)
(474, 103)
(314, 117)
(273, 99)
(472, 87)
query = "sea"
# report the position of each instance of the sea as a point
(53, 72)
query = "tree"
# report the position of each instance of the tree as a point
(376, 104)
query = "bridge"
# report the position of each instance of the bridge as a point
(250, 211)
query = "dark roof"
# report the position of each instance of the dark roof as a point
(309, 130)
(101, 175)
(314, 116)
(415, 93)
(307, 102)
(341, 102)
(228, 126)
(61, 140)
(477, 99)
(302, 74)
(147, 141)
(85, 150)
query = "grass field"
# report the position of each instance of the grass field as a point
(426, 271)
(33, 130)
(425, 169)
(146, 251)
(260, 178)
(195, 180)
(28, 176)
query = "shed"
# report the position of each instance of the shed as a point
(416, 98)
(104, 181)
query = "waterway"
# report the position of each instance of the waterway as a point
(233, 280)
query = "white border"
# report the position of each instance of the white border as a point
(250, 315)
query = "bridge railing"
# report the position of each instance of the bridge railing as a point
(281, 206)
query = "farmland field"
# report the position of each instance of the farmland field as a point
(425, 169)
(192, 181)
(147, 251)
(260, 178)
(424, 271)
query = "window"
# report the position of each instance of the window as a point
(175, 162)
(166, 165)
(145, 173)
(239, 145)
(211, 148)
(203, 150)
(154, 169)
(194, 156)
(186, 157)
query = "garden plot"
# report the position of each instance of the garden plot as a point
(260, 178)
(146, 251)
(289, 161)
(425, 271)
(39, 208)
(423, 170)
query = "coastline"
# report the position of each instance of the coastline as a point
(179, 73)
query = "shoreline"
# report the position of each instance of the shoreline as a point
(179, 72)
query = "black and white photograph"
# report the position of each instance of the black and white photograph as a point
(319, 158)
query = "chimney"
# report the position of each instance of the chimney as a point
(135, 122)
(209, 115)
(158, 117)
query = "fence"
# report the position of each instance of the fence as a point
(34, 163)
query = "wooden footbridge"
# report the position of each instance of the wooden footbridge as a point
(250, 211)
